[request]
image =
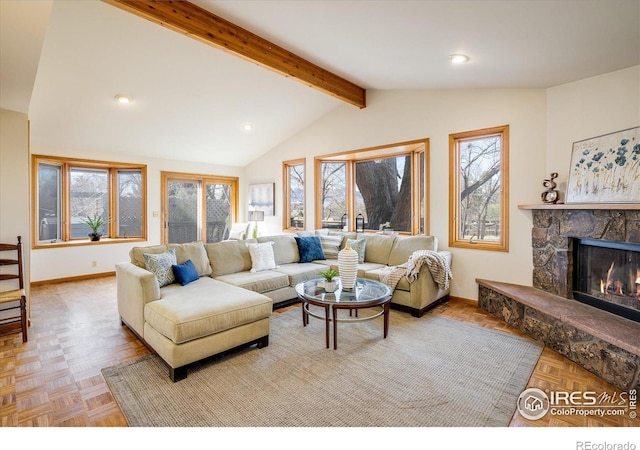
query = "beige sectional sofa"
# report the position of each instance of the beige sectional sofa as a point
(229, 305)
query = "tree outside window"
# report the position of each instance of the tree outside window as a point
(386, 185)
(479, 189)
(383, 192)
(294, 194)
(333, 193)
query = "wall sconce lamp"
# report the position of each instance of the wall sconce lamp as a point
(360, 223)
(256, 216)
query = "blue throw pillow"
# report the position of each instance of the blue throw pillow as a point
(185, 273)
(309, 248)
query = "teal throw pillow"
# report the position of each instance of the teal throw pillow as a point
(185, 273)
(359, 246)
(160, 265)
(309, 248)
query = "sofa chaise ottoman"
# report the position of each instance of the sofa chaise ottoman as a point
(185, 324)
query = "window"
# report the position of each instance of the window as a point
(128, 203)
(89, 196)
(478, 191)
(68, 191)
(333, 193)
(293, 181)
(197, 207)
(385, 185)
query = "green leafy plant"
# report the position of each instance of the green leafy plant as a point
(95, 223)
(329, 274)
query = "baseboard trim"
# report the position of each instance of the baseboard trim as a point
(464, 299)
(77, 278)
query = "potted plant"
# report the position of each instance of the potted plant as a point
(329, 283)
(95, 223)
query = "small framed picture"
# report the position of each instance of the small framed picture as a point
(261, 198)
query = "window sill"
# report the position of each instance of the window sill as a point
(83, 242)
(480, 245)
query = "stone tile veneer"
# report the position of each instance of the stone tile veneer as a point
(552, 233)
(602, 343)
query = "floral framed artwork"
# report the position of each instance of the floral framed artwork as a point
(261, 198)
(606, 169)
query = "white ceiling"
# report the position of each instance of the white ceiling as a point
(191, 101)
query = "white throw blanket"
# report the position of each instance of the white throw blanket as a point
(436, 263)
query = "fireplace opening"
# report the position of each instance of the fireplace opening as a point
(606, 275)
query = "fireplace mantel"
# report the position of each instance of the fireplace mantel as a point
(583, 206)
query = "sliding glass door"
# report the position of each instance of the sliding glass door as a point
(198, 207)
(183, 212)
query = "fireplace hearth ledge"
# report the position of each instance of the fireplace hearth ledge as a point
(603, 343)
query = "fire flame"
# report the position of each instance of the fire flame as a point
(605, 288)
(617, 286)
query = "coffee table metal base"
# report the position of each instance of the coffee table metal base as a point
(331, 315)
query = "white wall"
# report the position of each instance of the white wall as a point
(586, 109)
(396, 116)
(66, 262)
(543, 125)
(14, 183)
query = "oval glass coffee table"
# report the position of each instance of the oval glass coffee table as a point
(365, 294)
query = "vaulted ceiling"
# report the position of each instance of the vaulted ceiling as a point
(64, 61)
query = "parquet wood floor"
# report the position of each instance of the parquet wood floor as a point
(54, 379)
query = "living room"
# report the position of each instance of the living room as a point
(544, 122)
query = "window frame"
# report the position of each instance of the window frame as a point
(204, 179)
(409, 148)
(501, 245)
(66, 165)
(286, 189)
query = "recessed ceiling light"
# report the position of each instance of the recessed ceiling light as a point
(121, 98)
(459, 58)
(248, 127)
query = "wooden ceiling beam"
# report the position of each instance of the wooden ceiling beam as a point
(198, 23)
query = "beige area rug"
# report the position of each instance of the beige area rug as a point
(430, 371)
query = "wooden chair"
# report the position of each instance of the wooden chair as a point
(11, 255)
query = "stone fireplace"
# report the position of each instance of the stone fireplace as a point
(548, 311)
(555, 238)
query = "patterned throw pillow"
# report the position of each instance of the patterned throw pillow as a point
(160, 265)
(309, 248)
(331, 245)
(359, 246)
(262, 257)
